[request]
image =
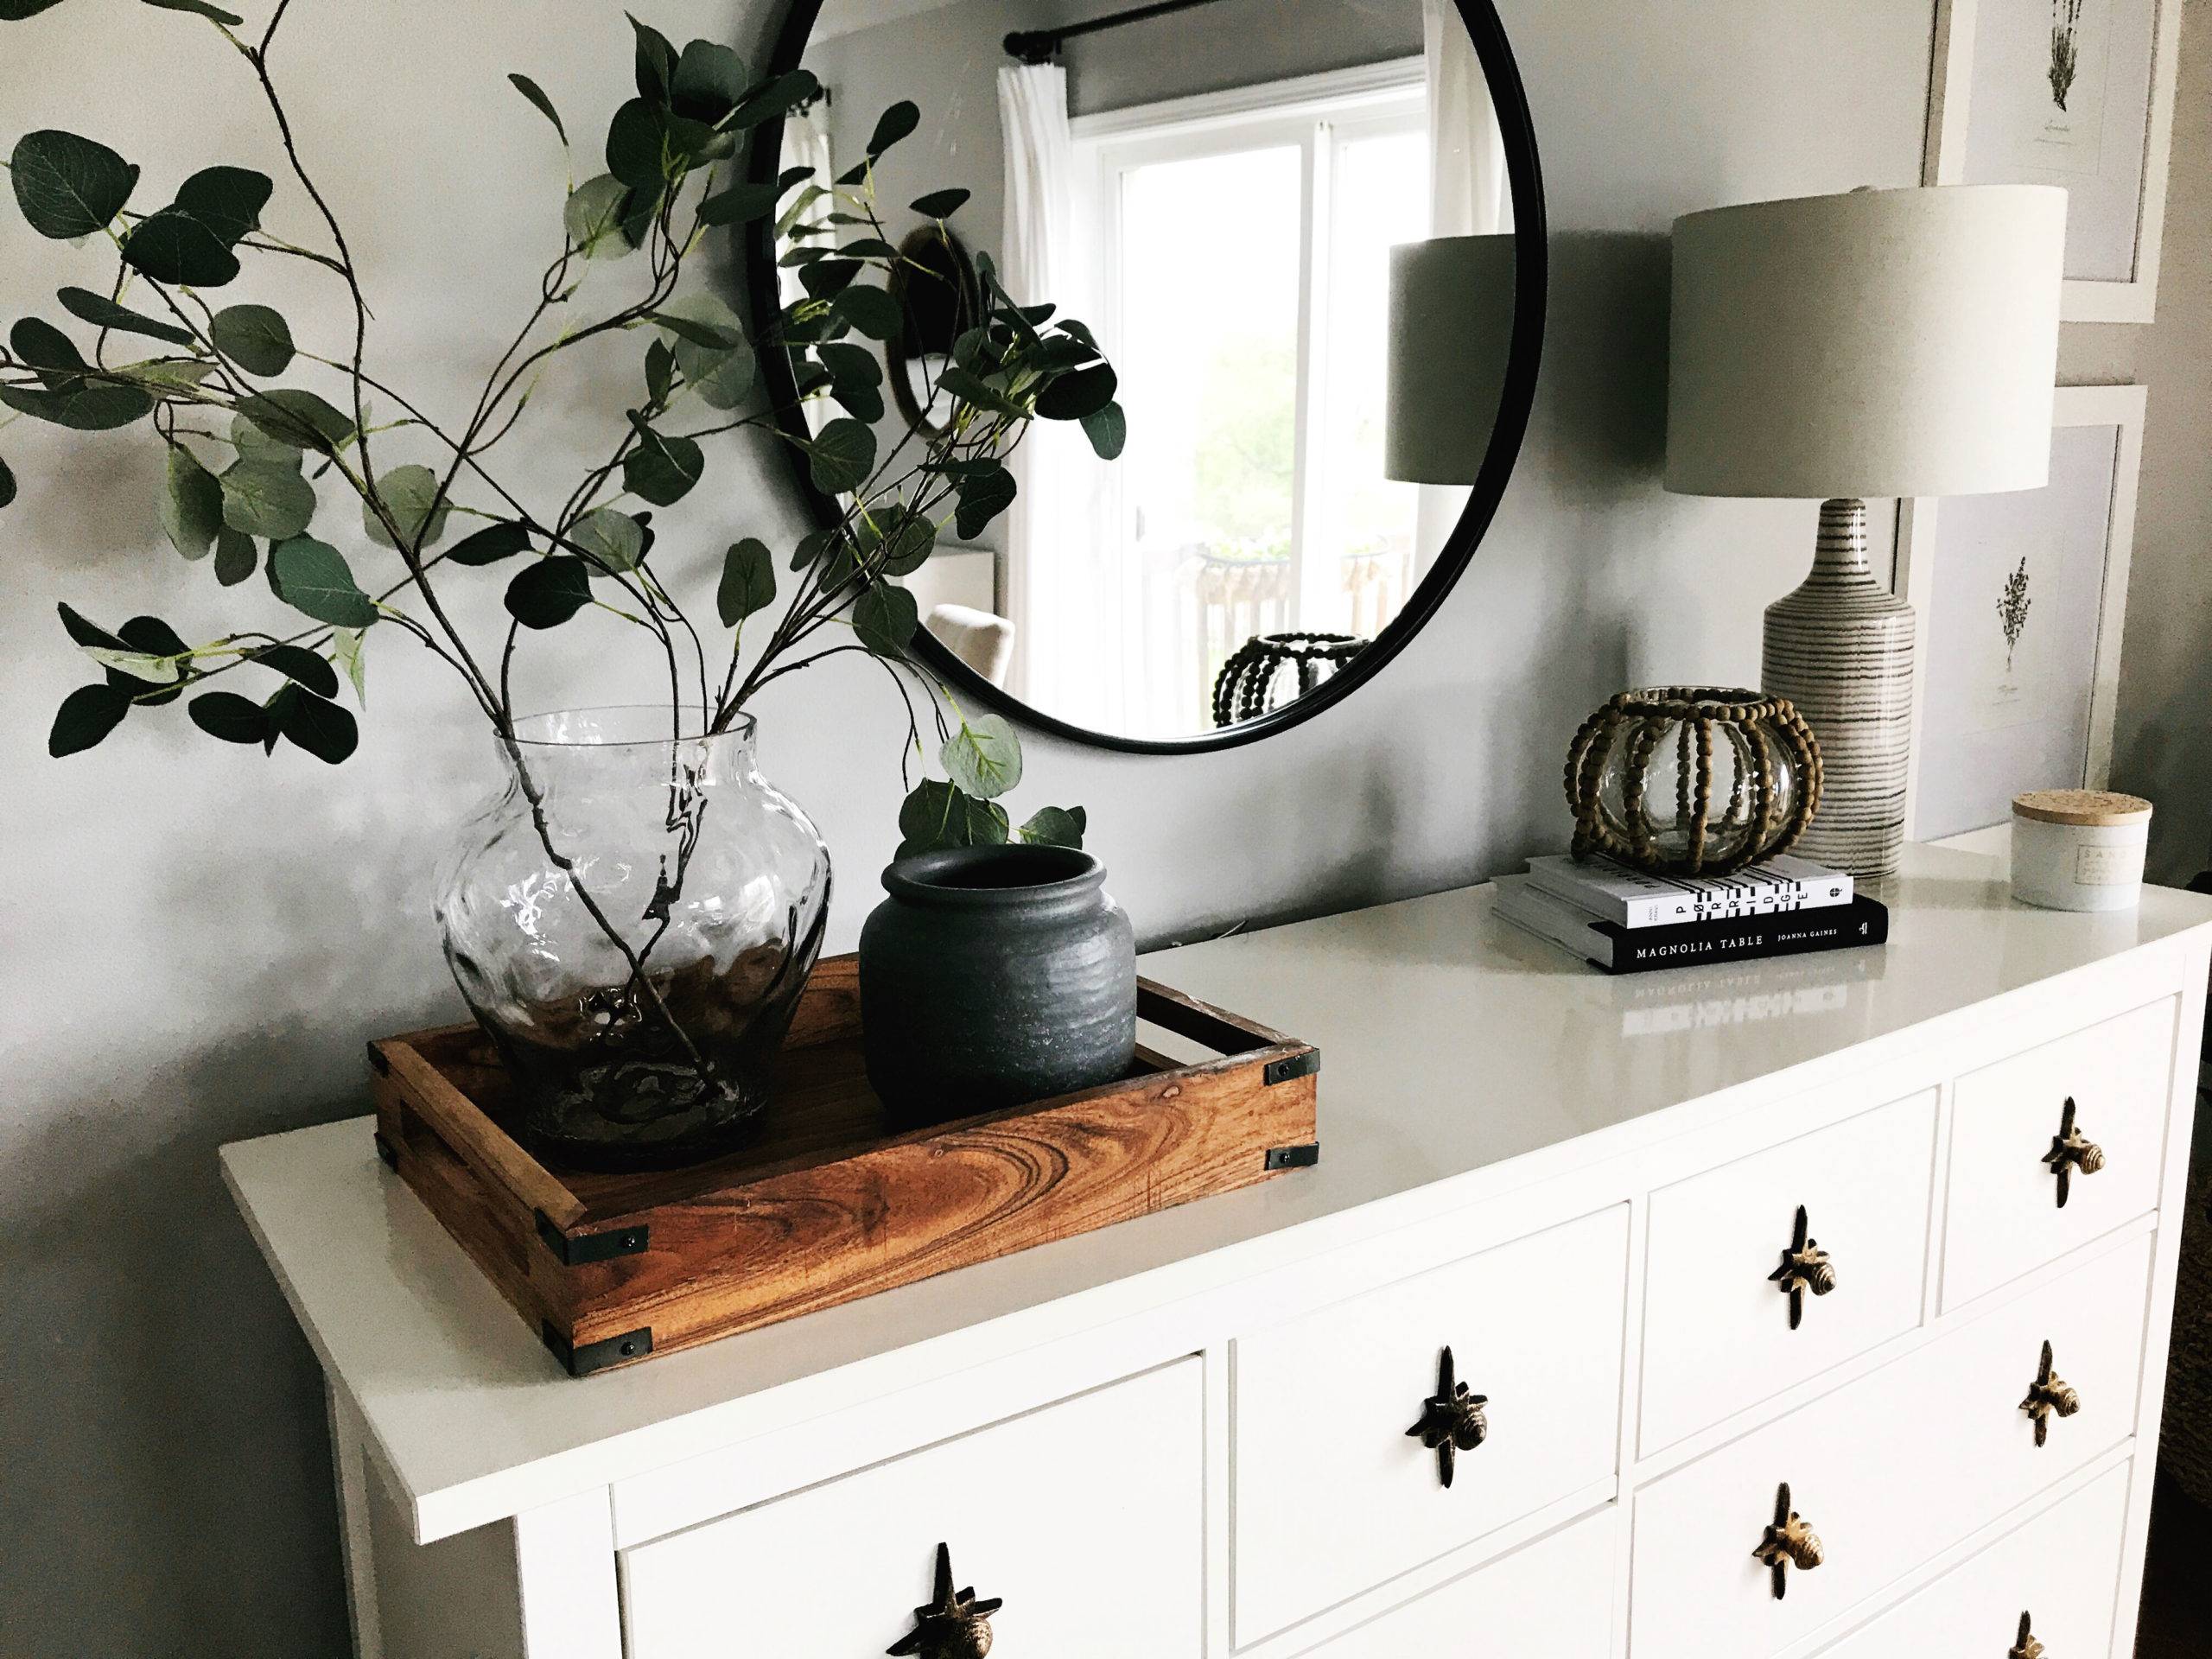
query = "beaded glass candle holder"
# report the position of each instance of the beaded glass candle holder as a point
(1692, 781)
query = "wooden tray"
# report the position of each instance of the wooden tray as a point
(826, 1204)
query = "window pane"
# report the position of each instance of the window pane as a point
(1209, 365)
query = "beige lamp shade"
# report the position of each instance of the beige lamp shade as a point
(1451, 336)
(1882, 343)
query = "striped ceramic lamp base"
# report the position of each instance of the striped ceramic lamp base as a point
(1840, 648)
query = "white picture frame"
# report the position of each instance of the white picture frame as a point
(1959, 27)
(1914, 580)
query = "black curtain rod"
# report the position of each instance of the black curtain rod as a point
(1042, 45)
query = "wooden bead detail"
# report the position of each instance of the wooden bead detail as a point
(1698, 722)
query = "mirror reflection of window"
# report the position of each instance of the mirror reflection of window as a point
(1244, 275)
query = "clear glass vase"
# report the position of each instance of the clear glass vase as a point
(632, 921)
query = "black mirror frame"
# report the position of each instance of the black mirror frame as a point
(1525, 176)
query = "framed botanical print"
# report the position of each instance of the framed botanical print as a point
(2078, 93)
(2022, 601)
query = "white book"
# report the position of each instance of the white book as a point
(1630, 898)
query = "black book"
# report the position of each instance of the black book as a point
(1620, 950)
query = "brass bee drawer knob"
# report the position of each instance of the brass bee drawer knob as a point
(2027, 1647)
(1789, 1542)
(1452, 1419)
(2050, 1395)
(1805, 1266)
(949, 1626)
(2071, 1150)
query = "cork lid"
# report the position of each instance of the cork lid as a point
(2080, 806)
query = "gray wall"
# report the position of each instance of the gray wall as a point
(200, 939)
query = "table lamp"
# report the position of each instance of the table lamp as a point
(1451, 338)
(1882, 343)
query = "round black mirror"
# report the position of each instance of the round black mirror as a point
(1308, 236)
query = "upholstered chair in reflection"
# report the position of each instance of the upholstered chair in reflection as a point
(983, 641)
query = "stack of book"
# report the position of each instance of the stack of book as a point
(1628, 921)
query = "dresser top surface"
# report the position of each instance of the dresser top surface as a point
(1452, 1044)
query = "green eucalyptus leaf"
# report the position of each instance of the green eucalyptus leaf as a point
(662, 469)
(984, 757)
(324, 729)
(84, 408)
(6, 485)
(104, 313)
(229, 716)
(346, 651)
(982, 499)
(411, 495)
(940, 815)
(161, 374)
(741, 204)
(824, 278)
(749, 582)
(254, 337)
(1056, 826)
(489, 545)
(811, 546)
(298, 419)
(266, 498)
(856, 378)
(69, 186)
(192, 507)
(710, 80)
(299, 664)
(530, 90)
(547, 594)
(660, 372)
(709, 331)
(638, 210)
(155, 639)
(236, 556)
(1073, 396)
(171, 246)
(871, 310)
(228, 200)
(636, 147)
(83, 632)
(15, 12)
(137, 664)
(85, 717)
(609, 540)
(841, 456)
(49, 353)
(593, 218)
(656, 61)
(896, 123)
(199, 8)
(972, 388)
(772, 99)
(885, 618)
(1107, 428)
(941, 204)
(313, 578)
(254, 444)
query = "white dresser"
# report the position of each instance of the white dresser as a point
(1187, 1435)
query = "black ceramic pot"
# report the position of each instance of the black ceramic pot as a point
(992, 977)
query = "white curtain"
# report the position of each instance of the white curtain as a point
(1469, 195)
(1058, 553)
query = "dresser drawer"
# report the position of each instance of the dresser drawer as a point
(1888, 1470)
(2003, 1215)
(1086, 1517)
(1332, 1497)
(1717, 1334)
(2062, 1569)
(1545, 1601)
